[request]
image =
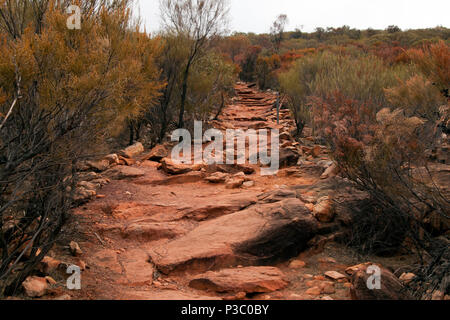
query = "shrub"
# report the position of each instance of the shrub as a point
(417, 97)
(434, 62)
(63, 91)
(357, 77)
(384, 154)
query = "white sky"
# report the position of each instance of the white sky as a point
(258, 15)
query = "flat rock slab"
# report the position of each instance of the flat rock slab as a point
(138, 270)
(335, 275)
(263, 233)
(219, 206)
(152, 231)
(106, 259)
(248, 280)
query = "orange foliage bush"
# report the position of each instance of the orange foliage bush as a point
(434, 62)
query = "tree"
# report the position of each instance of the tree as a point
(393, 29)
(211, 80)
(277, 30)
(198, 21)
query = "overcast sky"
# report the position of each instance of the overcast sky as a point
(257, 15)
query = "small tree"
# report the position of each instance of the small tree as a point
(198, 21)
(277, 30)
(393, 29)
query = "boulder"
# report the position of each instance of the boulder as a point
(218, 177)
(99, 165)
(48, 265)
(132, 151)
(35, 287)
(324, 211)
(407, 277)
(314, 291)
(263, 233)
(112, 159)
(75, 249)
(170, 167)
(126, 161)
(157, 153)
(248, 280)
(234, 182)
(331, 171)
(124, 172)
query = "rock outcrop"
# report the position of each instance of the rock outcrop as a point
(264, 233)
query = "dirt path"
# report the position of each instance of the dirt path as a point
(148, 237)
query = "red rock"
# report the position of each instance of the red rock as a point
(218, 177)
(249, 280)
(297, 264)
(314, 291)
(157, 153)
(132, 151)
(127, 161)
(138, 270)
(324, 211)
(151, 231)
(35, 287)
(330, 172)
(220, 206)
(75, 249)
(407, 277)
(106, 259)
(235, 182)
(124, 172)
(224, 242)
(335, 275)
(48, 265)
(170, 167)
(112, 159)
(98, 166)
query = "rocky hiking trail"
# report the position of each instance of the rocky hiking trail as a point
(160, 231)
